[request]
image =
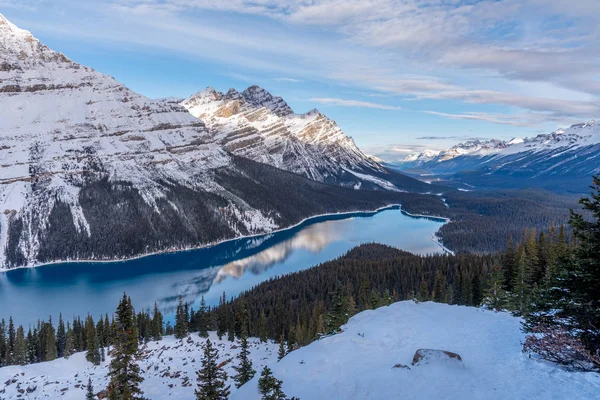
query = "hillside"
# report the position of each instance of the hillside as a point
(356, 363)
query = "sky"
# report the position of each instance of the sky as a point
(399, 76)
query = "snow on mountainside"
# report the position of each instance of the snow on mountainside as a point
(92, 170)
(355, 364)
(564, 160)
(256, 125)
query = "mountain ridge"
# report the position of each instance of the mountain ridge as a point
(563, 160)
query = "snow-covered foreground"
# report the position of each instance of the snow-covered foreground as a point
(169, 370)
(355, 364)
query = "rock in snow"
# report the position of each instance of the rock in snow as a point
(355, 364)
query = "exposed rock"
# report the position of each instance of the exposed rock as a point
(427, 356)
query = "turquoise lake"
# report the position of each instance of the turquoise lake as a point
(233, 266)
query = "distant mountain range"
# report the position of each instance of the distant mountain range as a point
(561, 161)
(92, 170)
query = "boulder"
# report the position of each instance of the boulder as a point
(430, 356)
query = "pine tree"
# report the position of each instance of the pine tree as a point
(423, 290)
(20, 356)
(91, 340)
(269, 386)
(12, 337)
(262, 326)
(211, 378)
(338, 314)
(49, 335)
(202, 319)
(282, 351)
(495, 296)
(61, 337)
(181, 320)
(157, 324)
(69, 343)
(244, 369)
(222, 316)
(124, 373)
(520, 285)
(90, 390)
(31, 346)
(509, 263)
(439, 287)
(583, 273)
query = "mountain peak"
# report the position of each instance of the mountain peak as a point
(260, 97)
(19, 49)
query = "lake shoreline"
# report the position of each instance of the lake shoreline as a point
(306, 220)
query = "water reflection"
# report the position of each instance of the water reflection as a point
(312, 239)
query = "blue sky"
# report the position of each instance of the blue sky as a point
(397, 75)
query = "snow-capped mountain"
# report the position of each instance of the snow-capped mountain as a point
(92, 170)
(563, 160)
(256, 125)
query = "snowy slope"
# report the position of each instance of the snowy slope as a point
(256, 125)
(355, 364)
(169, 369)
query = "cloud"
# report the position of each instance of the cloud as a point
(538, 59)
(290, 80)
(353, 103)
(451, 138)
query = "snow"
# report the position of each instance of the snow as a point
(257, 125)
(167, 362)
(355, 364)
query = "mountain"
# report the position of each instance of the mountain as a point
(259, 126)
(92, 170)
(357, 363)
(562, 161)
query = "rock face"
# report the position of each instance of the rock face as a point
(256, 125)
(431, 356)
(92, 170)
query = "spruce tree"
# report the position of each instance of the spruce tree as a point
(157, 324)
(90, 390)
(124, 373)
(20, 356)
(12, 337)
(244, 369)
(202, 319)
(69, 343)
(262, 326)
(181, 320)
(211, 378)
(49, 335)
(495, 296)
(91, 340)
(269, 386)
(338, 314)
(281, 353)
(61, 337)
(582, 279)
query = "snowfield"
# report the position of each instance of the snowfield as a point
(355, 364)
